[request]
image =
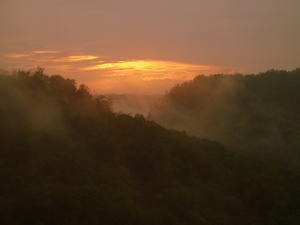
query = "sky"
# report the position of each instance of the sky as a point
(148, 46)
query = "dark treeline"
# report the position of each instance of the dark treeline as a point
(260, 113)
(67, 159)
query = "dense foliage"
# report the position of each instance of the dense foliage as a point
(67, 159)
(247, 111)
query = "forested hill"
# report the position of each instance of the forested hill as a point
(258, 111)
(67, 159)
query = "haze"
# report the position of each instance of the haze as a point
(139, 46)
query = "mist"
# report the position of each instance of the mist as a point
(133, 104)
(246, 111)
(143, 112)
(37, 111)
(69, 157)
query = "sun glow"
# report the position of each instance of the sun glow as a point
(106, 75)
(149, 68)
(134, 65)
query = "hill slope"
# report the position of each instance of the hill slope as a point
(67, 159)
(246, 111)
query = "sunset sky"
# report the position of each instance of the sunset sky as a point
(147, 46)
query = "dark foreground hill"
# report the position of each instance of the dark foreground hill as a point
(67, 159)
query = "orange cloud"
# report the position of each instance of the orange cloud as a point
(55, 59)
(132, 76)
(46, 52)
(15, 56)
(144, 76)
(21, 55)
(75, 58)
(134, 65)
(150, 65)
(151, 69)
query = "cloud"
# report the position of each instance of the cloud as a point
(51, 56)
(104, 74)
(76, 58)
(46, 52)
(146, 65)
(15, 56)
(151, 69)
(33, 53)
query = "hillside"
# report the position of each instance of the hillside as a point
(67, 159)
(256, 111)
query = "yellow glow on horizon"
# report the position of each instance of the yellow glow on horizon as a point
(136, 65)
(148, 65)
(103, 74)
(150, 69)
